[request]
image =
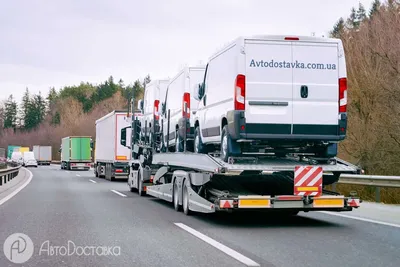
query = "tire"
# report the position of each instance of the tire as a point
(226, 144)
(198, 146)
(178, 143)
(175, 194)
(185, 199)
(140, 186)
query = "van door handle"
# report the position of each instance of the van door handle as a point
(304, 91)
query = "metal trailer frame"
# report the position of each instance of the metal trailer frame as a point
(206, 184)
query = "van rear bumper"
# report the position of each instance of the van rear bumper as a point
(240, 130)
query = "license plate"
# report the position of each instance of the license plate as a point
(254, 203)
(330, 202)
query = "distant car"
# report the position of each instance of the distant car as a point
(29, 159)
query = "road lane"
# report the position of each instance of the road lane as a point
(59, 207)
(146, 230)
(310, 239)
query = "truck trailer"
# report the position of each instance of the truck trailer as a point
(10, 150)
(205, 183)
(111, 158)
(76, 153)
(43, 154)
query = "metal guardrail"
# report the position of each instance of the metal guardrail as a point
(370, 180)
(8, 174)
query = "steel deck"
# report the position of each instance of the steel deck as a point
(208, 163)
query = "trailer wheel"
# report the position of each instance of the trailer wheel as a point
(175, 194)
(185, 199)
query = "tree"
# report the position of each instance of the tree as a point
(25, 106)
(361, 13)
(376, 5)
(10, 113)
(338, 29)
(352, 21)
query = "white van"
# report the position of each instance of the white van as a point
(282, 94)
(175, 100)
(17, 157)
(29, 159)
(150, 108)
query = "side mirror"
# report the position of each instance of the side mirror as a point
(197, 90)
(123, 137)
(163, 108)
(140, 105)
(91, 144)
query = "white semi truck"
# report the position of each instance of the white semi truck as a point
(111, 158)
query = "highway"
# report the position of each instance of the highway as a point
(62, 207)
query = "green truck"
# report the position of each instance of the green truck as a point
(76, 153)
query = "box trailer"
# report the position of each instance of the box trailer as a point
(43, 154)
(76, 152)
(10, 150)
(111, 158)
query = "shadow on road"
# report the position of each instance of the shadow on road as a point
(254, 219)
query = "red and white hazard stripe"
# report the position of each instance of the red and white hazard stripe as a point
(308, 181)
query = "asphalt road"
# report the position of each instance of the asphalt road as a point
(62, 207)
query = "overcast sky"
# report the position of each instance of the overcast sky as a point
(62, 42)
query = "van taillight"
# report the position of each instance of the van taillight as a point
(342, 95)
(156, 114)
(292, 38)
(240, 92)
(186, 105)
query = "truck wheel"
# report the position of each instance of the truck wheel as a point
(185, 199)
(178, 143)
(175, 194)
(198, 144)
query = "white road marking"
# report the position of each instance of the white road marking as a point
(77, 175)
(67, 171)
(361, 219)
(93, 181)
(18, 189)
(234, 254)
(118, 193)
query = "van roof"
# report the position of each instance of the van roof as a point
(266, 37)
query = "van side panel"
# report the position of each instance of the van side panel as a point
(269, 91)
(317, 70)
(219, 89)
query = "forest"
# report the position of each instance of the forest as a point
(371, 39)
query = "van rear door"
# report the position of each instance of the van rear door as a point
(269, 90)
(315, 88)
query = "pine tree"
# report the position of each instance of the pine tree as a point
(376, 5)
(361, 13)
(25, 106)
(10, 113)
(352, 21)
(338, 29)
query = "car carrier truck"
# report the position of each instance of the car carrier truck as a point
(205, 183)
(111, 158)
(76, 153)
(43, 154)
